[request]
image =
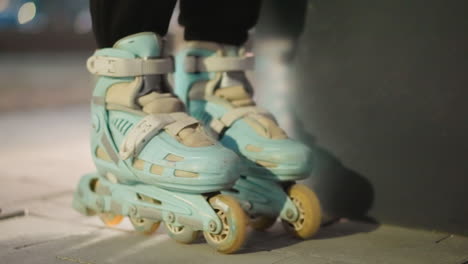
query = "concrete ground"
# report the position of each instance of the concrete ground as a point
(44, 153)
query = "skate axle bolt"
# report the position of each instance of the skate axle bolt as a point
(289, 214)
(133, 211)
(171, 217)
(212, 226)
(100, 204)
(246, 205)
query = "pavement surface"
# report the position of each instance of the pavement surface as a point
(43, 153)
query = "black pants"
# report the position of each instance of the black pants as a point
(222, 21)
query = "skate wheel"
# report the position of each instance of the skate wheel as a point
(308, 206)
(144, 226)
(182, 234)
(234, 221)
(262, 223)
(110, 219)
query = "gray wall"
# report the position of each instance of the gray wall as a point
(380, 91)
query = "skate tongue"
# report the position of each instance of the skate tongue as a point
(145, 44)
(232, 86)
(156, 103)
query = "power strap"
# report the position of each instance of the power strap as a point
(218, 64)
(141, 133)
(218, 125)
(122, 67)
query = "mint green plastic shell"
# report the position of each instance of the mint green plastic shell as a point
(216, 167)
(178, 209)
(259, 190)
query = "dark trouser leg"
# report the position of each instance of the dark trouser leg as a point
(226, 22)
(115, 19)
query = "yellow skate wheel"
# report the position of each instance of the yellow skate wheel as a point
(181, 234)
(144, 226)
(308, 205)
(262, 223)
(110, 219)
(234, 225)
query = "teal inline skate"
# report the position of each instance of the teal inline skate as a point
(210, 80)
(154, 162)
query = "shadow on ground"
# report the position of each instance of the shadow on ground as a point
(118, 247)
(276, 238)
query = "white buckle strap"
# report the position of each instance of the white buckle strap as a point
(218, 125)
(148, 127)
(121, 67)
(142, 132)
(181, 123)
(218, 64)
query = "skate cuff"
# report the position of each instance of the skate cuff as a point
(148, 127)
(121, 67)
(218, 64)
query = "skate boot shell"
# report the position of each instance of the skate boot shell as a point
(210, 79)
(154, 162)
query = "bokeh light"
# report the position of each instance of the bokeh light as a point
(26, 13)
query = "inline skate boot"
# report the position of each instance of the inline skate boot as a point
(154, 162)
(210, 80)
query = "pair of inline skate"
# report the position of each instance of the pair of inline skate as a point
(207, 161)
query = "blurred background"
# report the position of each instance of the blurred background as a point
(377, 88)
(43, 45)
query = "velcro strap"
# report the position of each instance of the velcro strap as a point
(142, 133)
(121, 67)
(233, 115)
(218, 64)
(181, 123)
